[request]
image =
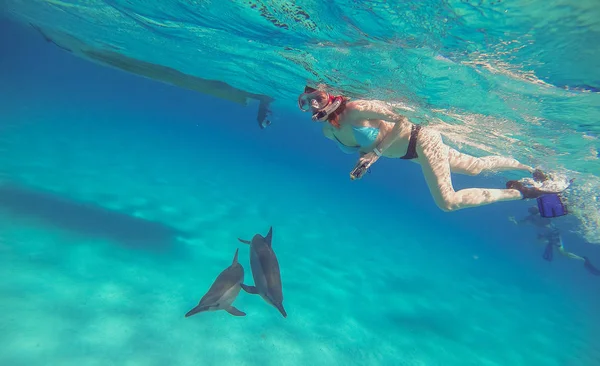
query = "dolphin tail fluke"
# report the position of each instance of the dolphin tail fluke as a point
(233, 311)
(249, 289)
(196, 310)
(235, 257)
(245, 241)
(281, 309)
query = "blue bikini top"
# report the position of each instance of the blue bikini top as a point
(364, 136)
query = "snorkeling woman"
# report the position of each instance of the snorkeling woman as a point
(373, 130)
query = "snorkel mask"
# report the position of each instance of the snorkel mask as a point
(321, 103)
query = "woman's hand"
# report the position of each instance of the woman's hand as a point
(363, 164)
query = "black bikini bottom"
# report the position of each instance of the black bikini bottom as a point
(411, 151)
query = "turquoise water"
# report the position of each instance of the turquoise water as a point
(516, 78)
(123, 198)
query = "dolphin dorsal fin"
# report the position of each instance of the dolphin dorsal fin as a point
(235, 257)
(269, 236)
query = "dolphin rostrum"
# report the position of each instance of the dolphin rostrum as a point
(265, 271)
(223, 291)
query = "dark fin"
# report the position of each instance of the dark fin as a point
(269, 236)
(548, 252)
(196, 310)
(233, 311)
(281, 309)
(263, 112)
(249, 289)
(245, 241)
(235, 257)
(590, 267)
(308, 89)
(526, 191)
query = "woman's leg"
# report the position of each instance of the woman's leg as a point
(434, 157)
(562, 251)
(466, 164)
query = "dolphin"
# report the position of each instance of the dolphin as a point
(265, 271)
(223, 291)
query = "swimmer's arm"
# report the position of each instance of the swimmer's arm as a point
(389, 138)
(525, 220)
(375, 110)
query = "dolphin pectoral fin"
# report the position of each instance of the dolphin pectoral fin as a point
(235, 257)
(245, 241)
(249, 289)
(233, 311)
(269, 237)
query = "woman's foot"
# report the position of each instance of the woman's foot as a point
(541, 184)
(526, 190)
(540, 176)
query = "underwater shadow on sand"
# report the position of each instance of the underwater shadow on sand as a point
(87, 219)
(436, 323)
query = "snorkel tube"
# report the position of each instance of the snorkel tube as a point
(324, 113)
